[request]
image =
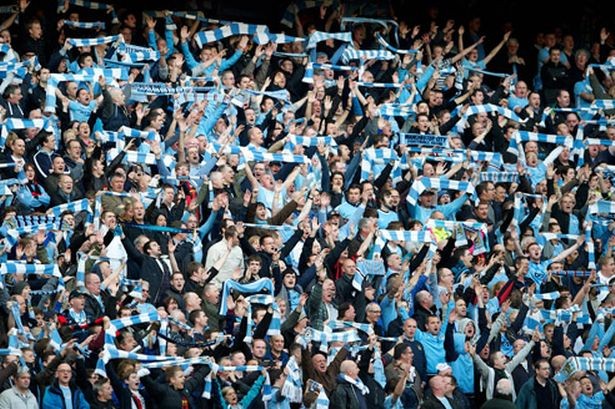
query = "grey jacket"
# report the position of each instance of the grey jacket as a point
(12, 399)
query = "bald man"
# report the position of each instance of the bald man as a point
(350, 391)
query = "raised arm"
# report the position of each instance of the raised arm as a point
(497, 48)
(466, 51)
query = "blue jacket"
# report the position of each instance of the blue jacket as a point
(54, 399)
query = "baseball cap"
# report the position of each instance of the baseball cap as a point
(75, 293)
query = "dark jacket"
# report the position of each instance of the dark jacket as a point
(96, 404)
(150, 271)
(433, 403)
(168, 397)
(527, 396)
(347, 396)
(498, 403)
(94, 310)
(120, 388)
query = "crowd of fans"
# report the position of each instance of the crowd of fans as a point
(360, 213)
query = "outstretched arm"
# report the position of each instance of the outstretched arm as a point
(497, 48)
(466, 51)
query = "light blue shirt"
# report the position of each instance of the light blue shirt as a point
(80, 112)
(66, 392)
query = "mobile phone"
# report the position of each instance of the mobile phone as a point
(313, 386)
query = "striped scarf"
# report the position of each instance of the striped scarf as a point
(525, 136)
(374, 160)
(206, 37)
(351, 53)
(422, 184)
(575, 363)
(89, 42)
(274, 327)
(255, 287)
(318, 36)
(500, 177)
(93, 25)
(293, 386)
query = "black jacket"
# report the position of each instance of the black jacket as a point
(347, 396)
(150, 271)
(94, 310)
(168, 397)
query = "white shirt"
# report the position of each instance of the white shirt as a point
(233, 262)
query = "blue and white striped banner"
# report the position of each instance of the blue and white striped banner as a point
(14, 234)
(232, 29)
(488, 108)
(452, 225)
(500, 177)
(74, 207)
(264, 284)
(282, 95)
(422, 184)
(589, 246)
(111, 75)
(271, 226)
(30, 220)
(351, 53)
(572, 273)
(558, 236)
(286, 157)
(11, 124)
(603, 104)
(312, 140)
(337, 324)
(308, 77)
(374, 159)
(601, 207)
(274, 327)
(525, 136)
(318, 36)
(88, 42)
(409, 236)
(52, 270)
(423, 140)
(93, 25)
(19, 69)
(134, 53)
(158, 88)
(552, 296)
(121, 323)
(596, 141)
(404, 110)
(327, 337)
(576, 363)
(133, 156)
(293, 386)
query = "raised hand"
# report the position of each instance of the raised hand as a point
(184, 33)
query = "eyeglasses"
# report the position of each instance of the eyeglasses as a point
(375, 311)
